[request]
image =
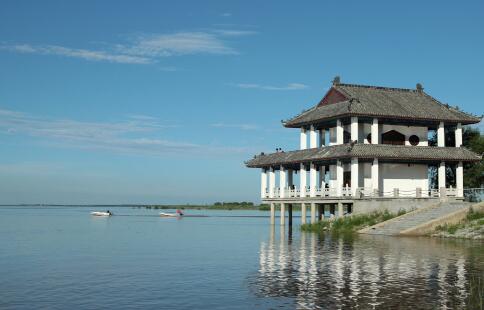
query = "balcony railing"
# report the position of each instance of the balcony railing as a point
(360, 192)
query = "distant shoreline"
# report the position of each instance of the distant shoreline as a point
(216, 206)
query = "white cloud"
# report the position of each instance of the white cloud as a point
(234, 33)
(131, 136)
(290, 86)
(237, 126)
(181, 43)
(79, 53)
(226, 14)
(144, 49)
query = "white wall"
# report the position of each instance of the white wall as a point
(406, 177)
(363, 130)
(365, 175)
(332, 135)
(408, 131)
(422, 132)
(332, 176)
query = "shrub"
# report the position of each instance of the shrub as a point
(349, 224)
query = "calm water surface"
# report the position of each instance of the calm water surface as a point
(62, 258)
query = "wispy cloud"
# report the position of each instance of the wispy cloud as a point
(226, 14)
(181, 43)
(236, 126)
(139, 134)
(85, 54)
(144, 48)
(290, 86)
(234, 33)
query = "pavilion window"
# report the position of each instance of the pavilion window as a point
(393, 137)
(414, 140)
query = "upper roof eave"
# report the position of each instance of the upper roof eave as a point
(404, 119)
(397, 103)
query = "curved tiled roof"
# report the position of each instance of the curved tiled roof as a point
(365, 151)
(373, 101)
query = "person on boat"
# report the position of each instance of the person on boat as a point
(109, 212)
(179, 212)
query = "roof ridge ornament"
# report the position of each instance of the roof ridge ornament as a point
(419, 88)
(336, 80)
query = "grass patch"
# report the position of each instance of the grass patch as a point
(472, 219)
(351, 224)
(474, 215)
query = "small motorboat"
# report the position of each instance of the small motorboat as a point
(178, 213)
(101, 213)
(162, 214)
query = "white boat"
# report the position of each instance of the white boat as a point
(162, 214)
(99, 213)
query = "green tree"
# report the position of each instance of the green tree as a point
(473, 172)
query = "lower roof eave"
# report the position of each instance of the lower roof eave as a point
(328, 161)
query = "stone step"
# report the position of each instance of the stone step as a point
(416, 218)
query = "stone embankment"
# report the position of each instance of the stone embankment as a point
(425, 220)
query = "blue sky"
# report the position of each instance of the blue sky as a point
(162, 101)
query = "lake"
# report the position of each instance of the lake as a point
(63, 258)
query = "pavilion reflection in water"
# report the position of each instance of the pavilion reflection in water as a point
(370, 272)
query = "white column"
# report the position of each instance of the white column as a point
(322, 137)
(354, 129)
(458, 135)
(339, 178)
(441, 135)
(340, 209)
(322, 173)
(304, 141)
(263, 182)
(313, 213)
(312, 180)
(283, 214)
(282, 181)
(312, 137)
(375, 135)
(273, 213)
(459, 175)
(272, 182)
(442, 175)
(303, 213)
(302, 180)
(339, 132)
(354, 176)
(374, 174)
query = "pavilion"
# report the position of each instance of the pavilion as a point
(365, 147)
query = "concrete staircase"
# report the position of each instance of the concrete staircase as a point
(421, 220)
